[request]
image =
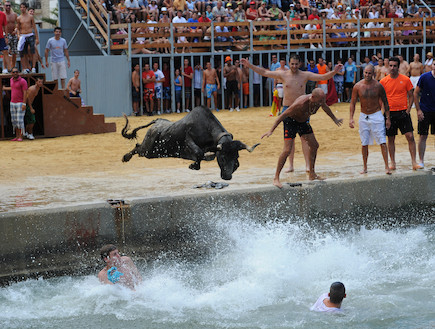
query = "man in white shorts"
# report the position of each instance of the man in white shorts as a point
(371, 122)
(416, 69)
(59, 51)
(331, 302)
(278, 83)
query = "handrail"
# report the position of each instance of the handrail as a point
(427, 7)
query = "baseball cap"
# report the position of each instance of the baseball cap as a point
(229, 4)
(339, 6)
(164, 9)
(228, 59)
(292, 5)
(252, 3)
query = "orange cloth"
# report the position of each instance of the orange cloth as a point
(246, 88)
(322, 70)
(397, 90)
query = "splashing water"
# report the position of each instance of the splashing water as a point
(258, 276)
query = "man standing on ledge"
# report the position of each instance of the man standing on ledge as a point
(296, 119)
(400, 98)
(118, 269)
(294, 83)
(59, 51)
(371, 121)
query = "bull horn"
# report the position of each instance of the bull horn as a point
(249, 149)
(219, 147)
(209, 154)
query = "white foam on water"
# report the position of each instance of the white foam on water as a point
(259, 276)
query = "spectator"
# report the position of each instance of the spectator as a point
(148, 79)
(323, 69)
(166, 88)
(178, 85)
(158, 85)
(169, 5)
(219, 11)
(133, 8)
(197, 83)
(188, 76)
(350, 78)
(210, 85)
(18, 90)
(200, 6)
(135, 89)
(74, 85)
(263, 13)
(252, 12)
(239, 13)
(180, 5)
(153, 9)
(194, 30)
(311, 85)
(428, 62)
(339, 82)
(58, 47)
(313, 14)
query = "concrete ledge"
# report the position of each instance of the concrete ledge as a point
(67, 240)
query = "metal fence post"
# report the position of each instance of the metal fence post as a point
(89, 13)
(108, 33)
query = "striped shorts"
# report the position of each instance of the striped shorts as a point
(17, 115)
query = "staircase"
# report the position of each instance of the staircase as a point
(57, 114)
(94, 18)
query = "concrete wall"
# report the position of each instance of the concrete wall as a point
(66, 240)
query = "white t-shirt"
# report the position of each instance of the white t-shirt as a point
(197, 79)
(159, 76)
(131, 4)
(319, 306)
(177, 19)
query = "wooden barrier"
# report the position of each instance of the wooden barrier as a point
(57, 114)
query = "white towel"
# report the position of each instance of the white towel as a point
(22, 41)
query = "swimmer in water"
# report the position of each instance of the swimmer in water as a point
(118, 269)
(331, 303)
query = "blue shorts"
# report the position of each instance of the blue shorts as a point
(166, 92)
(158, 92)
(210, 89)
(3, 45)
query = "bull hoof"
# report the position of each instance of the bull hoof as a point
(126, 157)
(194, 166)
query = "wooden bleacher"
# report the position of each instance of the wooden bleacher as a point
(57, 114)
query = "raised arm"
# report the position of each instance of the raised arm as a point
(319, 77)
(262, 71)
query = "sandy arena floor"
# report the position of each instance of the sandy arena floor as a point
(81, 169)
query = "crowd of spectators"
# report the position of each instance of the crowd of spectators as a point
(187, 86)
(288, 11)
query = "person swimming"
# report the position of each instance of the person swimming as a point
(119, 269)
(331, 302)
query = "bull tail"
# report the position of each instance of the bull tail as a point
(133, 134)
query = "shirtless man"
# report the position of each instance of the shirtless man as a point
(371, 121)
(245, 86)
(295, 119)
(74, 85)
(233, 81)
(135, 89)
(378, 70)
(118, 269)
(385, 69)
(29, 117)
(404, 66)
(210, 84)
(416, 68)
(28, 37)
(294, 83)
(11, 35)
(36, 57)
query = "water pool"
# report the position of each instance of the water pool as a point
(258, 276)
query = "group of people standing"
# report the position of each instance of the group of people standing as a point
(395, 93)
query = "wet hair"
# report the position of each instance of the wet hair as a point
(395, 59)
(76, 70)
(106, 250)
(25, 4)
(337, 292)
(296, 57)
(57, 28)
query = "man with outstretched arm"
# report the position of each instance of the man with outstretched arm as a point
(295, 119)
(371, 121)
(294, 83)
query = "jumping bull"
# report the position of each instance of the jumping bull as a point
(198, 136)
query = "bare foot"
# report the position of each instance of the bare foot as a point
(416, 167)
(392, 166)
(364, 171)
(290, 169)
(277, 183)
(388, 171)
(314, 176)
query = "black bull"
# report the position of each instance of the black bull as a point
(198, 136)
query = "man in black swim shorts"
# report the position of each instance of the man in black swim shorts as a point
(296, 121)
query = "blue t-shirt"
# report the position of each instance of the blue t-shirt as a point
(178, 88)
(427, 86)
(57, 48)
(350, 71)
(338, 77)
(191, 20)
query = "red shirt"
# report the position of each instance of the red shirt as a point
(251, 14)
(17, 90)
(187, 81)
(167, 75)
(148, 75)
(3, 22)
(311, 17)
(204, 20)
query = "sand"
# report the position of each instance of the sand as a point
(52, 172)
